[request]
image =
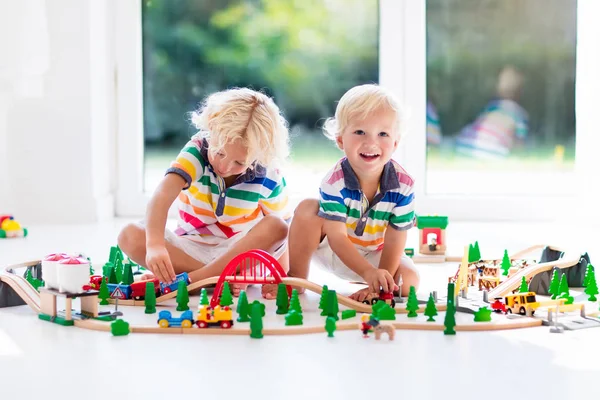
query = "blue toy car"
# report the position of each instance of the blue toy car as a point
(165, 319)
(174, 285)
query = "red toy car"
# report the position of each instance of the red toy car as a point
(387, 297)
(138, 289)
(498, 306)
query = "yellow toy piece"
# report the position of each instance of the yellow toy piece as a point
(218, 316)
(9, 228)
(10, 225)
(519, 303)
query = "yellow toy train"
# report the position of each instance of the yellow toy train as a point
(217, 316)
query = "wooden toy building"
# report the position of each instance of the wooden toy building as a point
(432, 234)
(48, 306)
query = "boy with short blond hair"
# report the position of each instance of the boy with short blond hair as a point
(347, 230)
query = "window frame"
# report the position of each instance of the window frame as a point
(402, 68)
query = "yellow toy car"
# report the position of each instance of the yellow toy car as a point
(218, 316)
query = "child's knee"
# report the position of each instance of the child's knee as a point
(130, 237)
(276, 227)
(307, 209)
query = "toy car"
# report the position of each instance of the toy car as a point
(174, 285)
(498, 306)
(217, 316)
(387, 297)
(138, 289)
(165, 320)
(9, 228)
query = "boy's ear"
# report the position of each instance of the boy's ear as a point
(339, 142)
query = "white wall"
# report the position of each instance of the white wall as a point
(57, 132)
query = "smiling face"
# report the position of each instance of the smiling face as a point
(231, 160)
(369, 143)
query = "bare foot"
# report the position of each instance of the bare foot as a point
(236, 288)
(269, 291)
(362, 295)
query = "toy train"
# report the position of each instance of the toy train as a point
(137, 290)
(207, 316)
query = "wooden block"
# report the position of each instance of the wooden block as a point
(48, 303)
(68, 306)
(89, 306)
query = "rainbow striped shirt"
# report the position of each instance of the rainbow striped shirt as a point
(343, 200)
(209, 212)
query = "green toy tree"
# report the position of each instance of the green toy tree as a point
(113, 276)
(484, 314)
(283, 301)
(589, 269)
(472, 256)
(243, 308)
(449, 320)
(505, 263)
(477, 252)
(554, 288)
(293, 318)
(330, 326)
(295, 302)
(260, 306)
(204, 297)
(385, 312)
(29, 276)
(331, 305)
(104, 294)
(119, 328)
(119, 269)
(430, 309)
(412, 305)
(564, 290)
(591, 288)
(256, 324)
(115, 251)
(226, 297)
(149, 298)
(127, 275)
(323, 300)
(524, 288)
(183, 298)
(106, 269)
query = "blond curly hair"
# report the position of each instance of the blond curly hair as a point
(358, 103)
(246, 115)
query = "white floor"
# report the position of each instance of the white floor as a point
(68, 362)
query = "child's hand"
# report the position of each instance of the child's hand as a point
(159, 262)
(380, 279)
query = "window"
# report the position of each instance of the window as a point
(305, 54)
(500, 96)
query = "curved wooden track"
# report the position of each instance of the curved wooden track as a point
(303, 330)
(514, 281)
(23, 289)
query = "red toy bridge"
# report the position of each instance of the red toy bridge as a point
(250, 267)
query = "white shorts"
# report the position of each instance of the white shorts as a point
(206, 253)
(330, 262)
